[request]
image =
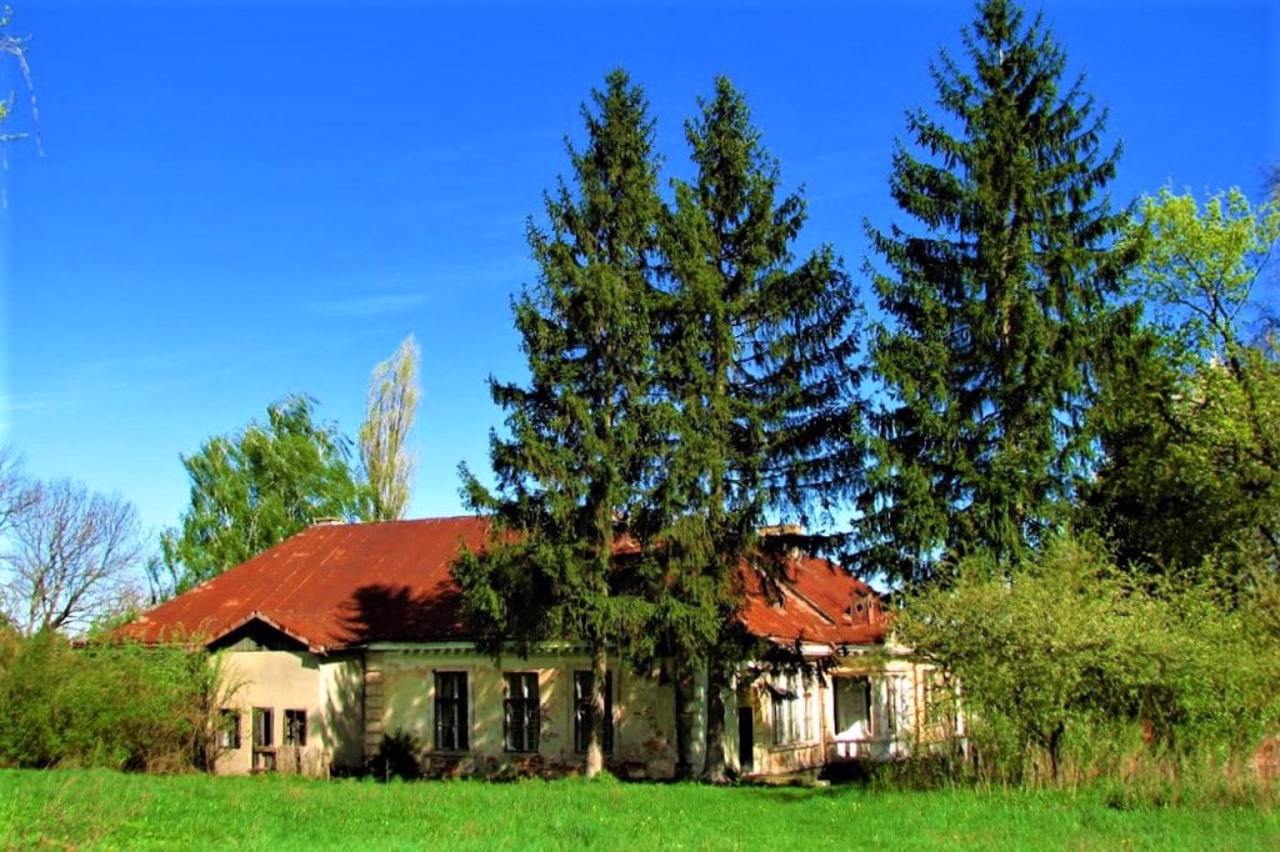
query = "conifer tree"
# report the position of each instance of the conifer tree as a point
(572, 470)
(995, 309)
(755, 357)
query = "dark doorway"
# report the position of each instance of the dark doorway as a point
(746, 740)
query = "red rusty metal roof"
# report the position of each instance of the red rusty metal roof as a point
(338, 585)
(811, 601)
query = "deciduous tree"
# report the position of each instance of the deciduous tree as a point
(252, 490)
(1190, 473)
(72, 555)
(389, 416)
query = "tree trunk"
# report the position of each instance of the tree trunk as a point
(682, 684)
(1055, 752)
(713, 771)
(599, 673)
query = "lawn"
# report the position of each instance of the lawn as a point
(101, 809)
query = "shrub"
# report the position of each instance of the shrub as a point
(122, 706)
(397, 757)
(1069, 669)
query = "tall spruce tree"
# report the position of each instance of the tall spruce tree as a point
(995, 311)
(573, 469)
(755, 360)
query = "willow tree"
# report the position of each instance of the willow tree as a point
(572, 468)
(389, 415)
(995, 309)
(756, 358)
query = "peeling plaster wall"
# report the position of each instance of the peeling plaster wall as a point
(282, 680)
(400, 696)
(353, 699)
(895, 727)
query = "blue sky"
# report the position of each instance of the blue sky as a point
(239, 201)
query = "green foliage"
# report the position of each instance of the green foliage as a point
(1199, 265)
(1190, 475)
(995, 311)
(1066, 660)
(572, 470)
(109, 705)
(397, 757)
(752, 357)
(253, 490)
(389, 415)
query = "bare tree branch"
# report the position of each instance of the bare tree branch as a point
(72, 556)
(14, 494)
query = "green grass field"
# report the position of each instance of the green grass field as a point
(100, 809)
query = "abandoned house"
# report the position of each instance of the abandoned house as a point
(345, 633)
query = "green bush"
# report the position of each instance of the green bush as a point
(122, 706)
(1069, 669)
(397, 757)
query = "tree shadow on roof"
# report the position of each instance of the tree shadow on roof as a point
(385, 613)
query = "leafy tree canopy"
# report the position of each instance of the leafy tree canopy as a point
(1191, 466)
(1064, 652)
(252, 490)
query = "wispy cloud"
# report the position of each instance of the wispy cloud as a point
(356, 307)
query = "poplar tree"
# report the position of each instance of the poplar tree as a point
(756, 357)
(571, 471)
(389, 414)
(995, 309)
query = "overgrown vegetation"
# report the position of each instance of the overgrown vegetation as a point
(103, 809)
(119, 706)
(1070, 670)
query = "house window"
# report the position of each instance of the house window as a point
(295, 727)
(264, 755)
(582, 682)
(891, 705)
(522, 712)
(935, 701)
(229, 728)
(451, 711)
(806, 712)
(853, 715)
(785, 710)
(263, 724)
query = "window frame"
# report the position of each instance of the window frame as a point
(522, 714)
(229, 729)
(581, 710)
(290, 730)
(264, 723)
(262, 734)
(783, 702)
(459, 707)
